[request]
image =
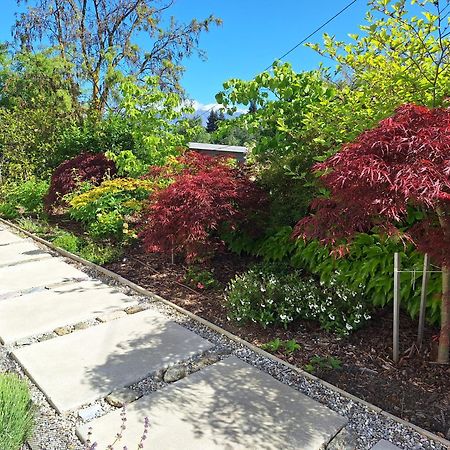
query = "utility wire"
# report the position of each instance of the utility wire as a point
(313, 32)
(301, 42)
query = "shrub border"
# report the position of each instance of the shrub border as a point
(217, 329)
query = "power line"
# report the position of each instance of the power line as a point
(301, 42)
(314, 32)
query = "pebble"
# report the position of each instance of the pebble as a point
(111, 316)
(175, 373)
(61, 331)
(89, 413)
(122, 397)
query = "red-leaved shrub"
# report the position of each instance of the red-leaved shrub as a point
(404, 161)
(207, 194)
(87, 167)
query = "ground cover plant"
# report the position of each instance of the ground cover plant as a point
(16, 412)
(270, 296)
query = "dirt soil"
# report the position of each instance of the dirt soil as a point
(416, 389)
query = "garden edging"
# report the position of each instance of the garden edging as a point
(225, 333)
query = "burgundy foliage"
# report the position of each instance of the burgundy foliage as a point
(87, 167)
(206, 195)
(404, 161)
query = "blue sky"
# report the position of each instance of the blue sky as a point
(253, 34)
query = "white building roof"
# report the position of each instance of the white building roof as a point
(217, 147)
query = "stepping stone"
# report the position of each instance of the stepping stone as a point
(6, 238)
(229, 405)
(21, 252)
(86, 365)
(58, 306)
(385, 445)
(34, 274)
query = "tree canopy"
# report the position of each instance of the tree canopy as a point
(98, 40)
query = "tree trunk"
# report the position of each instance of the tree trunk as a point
(444, 338)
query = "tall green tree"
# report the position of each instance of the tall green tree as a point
(98, 39)
(212, 121)
(401, 55)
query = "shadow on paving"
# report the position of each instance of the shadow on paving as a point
(228, 405)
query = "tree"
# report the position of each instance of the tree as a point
(403, 162)
(212, 122)
(207, 195)
(252, 108)
(399, 57)
(98, 39)
(35, 106)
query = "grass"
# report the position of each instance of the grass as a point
(16, 414)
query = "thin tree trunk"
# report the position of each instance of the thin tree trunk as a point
(444, 338)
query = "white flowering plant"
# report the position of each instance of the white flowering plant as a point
(276, 295)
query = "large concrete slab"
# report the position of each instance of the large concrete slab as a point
(229, 405)
(29, 275)
(6, 238)
(385, 445)
(21, 252)
(39, 312)
(86, 365)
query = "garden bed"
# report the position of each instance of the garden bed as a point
(416, 389)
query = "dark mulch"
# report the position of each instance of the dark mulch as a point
(416, 389)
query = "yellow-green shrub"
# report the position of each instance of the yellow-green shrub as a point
(104, 208)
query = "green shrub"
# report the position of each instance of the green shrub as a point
(273, 295)
(67, 241)
(99, 254)
(25, 198)
(16, 414)
(105, 208)
(8, 211)
(368, 264)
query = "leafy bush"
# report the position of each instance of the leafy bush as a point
(8, 211)
(67, 241)
(104, 208)
(208, 194)
(22, 198)
(270, 295)
(368, 263)
(68, 176)
(16, 414)
(99, 254)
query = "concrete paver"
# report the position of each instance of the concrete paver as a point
(39, 312)
(6, 238)
(228, 405)
(21, 252)
(385, 445)
(80, 367)
(33, 274)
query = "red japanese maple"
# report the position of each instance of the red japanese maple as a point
(405, 161)
(206, 194)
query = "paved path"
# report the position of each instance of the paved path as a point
(101, 349)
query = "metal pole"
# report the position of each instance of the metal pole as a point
(395, 343)
(423, 299)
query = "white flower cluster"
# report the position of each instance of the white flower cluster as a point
(268, 297)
